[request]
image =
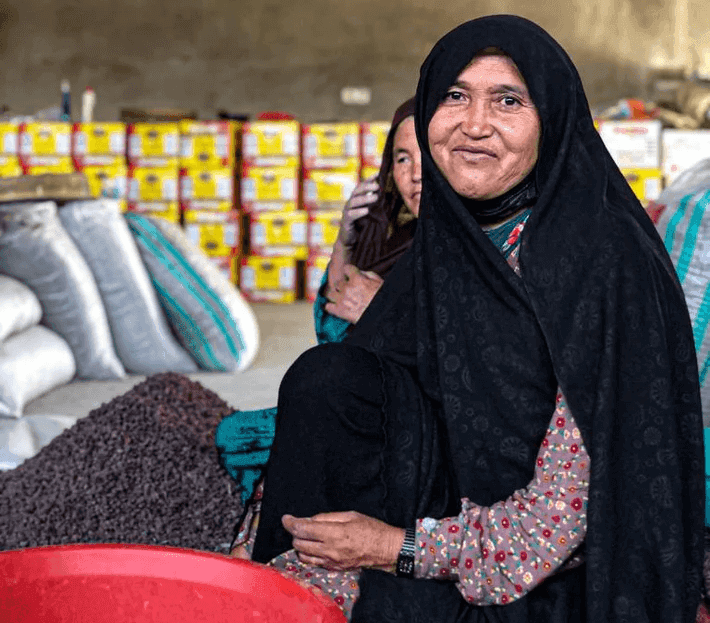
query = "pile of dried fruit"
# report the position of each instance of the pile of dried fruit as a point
(141, 468)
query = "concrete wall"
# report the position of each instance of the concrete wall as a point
(252, 55)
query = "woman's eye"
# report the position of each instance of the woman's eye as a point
(509, 100)
(454, 96)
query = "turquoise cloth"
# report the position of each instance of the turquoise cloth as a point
(244, 438)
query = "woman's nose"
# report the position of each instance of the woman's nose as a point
(417, 169)
(477, 122)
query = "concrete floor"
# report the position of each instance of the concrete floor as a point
(286, 331)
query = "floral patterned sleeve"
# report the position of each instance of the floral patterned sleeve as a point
(499, 553)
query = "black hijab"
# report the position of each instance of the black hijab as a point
(598, 312)
(382, 236)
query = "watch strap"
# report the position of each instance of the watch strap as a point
(405, 560)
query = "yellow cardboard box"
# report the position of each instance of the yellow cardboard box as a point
(271, 143)
(109, 181)
(10, 138)
(331, 146)
(227, 265)
(646, 183)
(215, 239)
(44, 138)
(201, 184)
(10, 166)
(328, 189)
(148, 184)
(98, 144)
(153, 143)
(38, 165)
(323, 228)
(263, 187)
(208, 144)
(316, 266)
(369, 172)
(373, 136)
(278, 233)
(268, 279)
(169, 210)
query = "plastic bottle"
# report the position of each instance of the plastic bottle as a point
(88, 101)
(65, 114)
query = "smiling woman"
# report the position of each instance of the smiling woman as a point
(501, 438)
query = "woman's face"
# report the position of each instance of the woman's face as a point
(484, 135)
(407, 168)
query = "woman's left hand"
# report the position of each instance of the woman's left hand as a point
(346, 540)
(349, 298)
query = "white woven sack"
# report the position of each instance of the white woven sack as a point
(141, 335)
(36, 250)
(31, 363)
(19, 307)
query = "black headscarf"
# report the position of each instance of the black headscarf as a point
(382, 235)
(598, 312)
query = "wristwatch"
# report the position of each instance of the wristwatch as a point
(405, 560)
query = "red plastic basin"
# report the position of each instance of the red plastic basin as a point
(141, 584)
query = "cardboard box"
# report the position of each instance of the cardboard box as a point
(39, 165)
(109, 182)
(208, 144)
(153, 144)
(215, 239)
(9, 138)
(323, 228)
(369, 172)
(315, 269)
(228, 265)
(169, 210)
(646, 183)
(148, 184)
(633, 144)
(222, 213)
(271, 143)
(373, 136)
(269, 188)
(10, 166)
(48, 138)
(331, 146)
(328, 190)
(98, 144)
(278, 234)
(682, 149)
(268, 279)
(206, 184)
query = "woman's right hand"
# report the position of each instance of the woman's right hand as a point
(364, 195)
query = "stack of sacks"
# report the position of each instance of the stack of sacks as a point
(36, 250)
(33, 360)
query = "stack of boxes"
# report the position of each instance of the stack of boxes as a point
(45, 147)
(373, 136)
(153, 169)
(331, 170)
(208, 201)
(270, 199)
(99, 151)
(9, 144)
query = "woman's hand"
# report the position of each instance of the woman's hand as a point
(364, 195)
(349, 297)
(347, 540)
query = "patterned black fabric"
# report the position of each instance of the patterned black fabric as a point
(598, 311)
(470, 356)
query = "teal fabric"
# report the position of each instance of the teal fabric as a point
(706, 432)
(244, 438)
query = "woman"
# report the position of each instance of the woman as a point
(537, 318)
(377, 227)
